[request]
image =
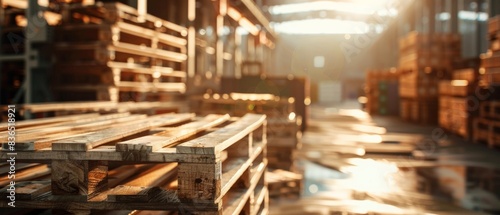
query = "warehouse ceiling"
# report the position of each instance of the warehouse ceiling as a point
(333, 16)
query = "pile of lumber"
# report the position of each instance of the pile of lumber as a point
(110, 52)
(382, 92)
(456, 108)
(424, 60)
(172, 162)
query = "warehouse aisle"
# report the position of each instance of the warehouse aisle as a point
(357, 164)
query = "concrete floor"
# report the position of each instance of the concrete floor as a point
(357, 164)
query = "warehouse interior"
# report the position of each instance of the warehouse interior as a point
(250, 107)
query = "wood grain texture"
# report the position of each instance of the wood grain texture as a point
(156, 176)
(28, 190)
(108, 153)
(94, 139)
(221, 139)
(81, 178)
(199, 183)
(137, 194)
(37, 132)
(170, 136)
(27, 174)
(47, 121)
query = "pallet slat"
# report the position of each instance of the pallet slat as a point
(171, 135)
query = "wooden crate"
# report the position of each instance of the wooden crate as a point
(219, 163)
(101, 51)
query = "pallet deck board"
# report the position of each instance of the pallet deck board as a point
(171, 135)
(89, 141)
(220, 139)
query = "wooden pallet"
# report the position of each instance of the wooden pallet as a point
(284, 184)
(486, 130)
(490, 109)
(418, 51)
(105, 49)
(283, 127)
(455, 115)
(219, 163)
(70, 108)
(238, 104)
(420, 111)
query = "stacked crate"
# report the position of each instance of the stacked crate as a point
(456, 108)
(169, 162)
(111, 52)
(382, 92)
(424, 60)
(487, 125)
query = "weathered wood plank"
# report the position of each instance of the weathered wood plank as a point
(137, 194)
(108, 153)
(47, 121)
(28, 190)
(91, 140)
(44, 107)
(46, 140)
(27, 174)
(166, 119)
(155, 176)
(221, 139)
(120, 174)
(19, 166)
(87, 123)
(171, 135)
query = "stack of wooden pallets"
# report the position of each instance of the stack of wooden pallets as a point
(283, 183)
(487, 126)
(456, 103)
(281, 86)
(382, 92)
(178, 162)
(424, 60)
(283, 126)
(111, 52)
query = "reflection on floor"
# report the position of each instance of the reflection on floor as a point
(357, 164)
